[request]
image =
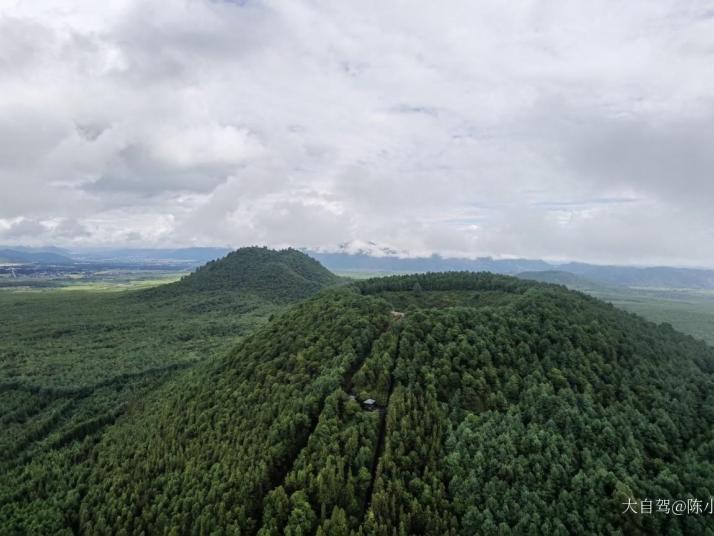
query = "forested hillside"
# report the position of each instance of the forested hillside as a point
(279, 276)
(72, 362)
(496, 406)
(690, 311)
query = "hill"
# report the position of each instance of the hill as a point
(281, 276)
(502, 406)
(73, 362)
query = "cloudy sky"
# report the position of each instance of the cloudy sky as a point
(552, 129)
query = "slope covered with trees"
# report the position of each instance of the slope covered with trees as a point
(72, 362)
(280, 276)
(544, 417)
(498, 406)
(237, 429)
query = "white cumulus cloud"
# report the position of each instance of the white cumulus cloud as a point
(531, 128)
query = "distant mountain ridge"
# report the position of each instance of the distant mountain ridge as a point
(570, 280)
(434, 263)
(29, 257)
(627, 276)
(373, 259)
(653, 277)
(198, 255)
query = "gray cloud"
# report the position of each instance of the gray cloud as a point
(543, 129)
(664, 157)
(23, 228)
(69, 228)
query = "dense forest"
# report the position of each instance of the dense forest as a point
(447, 403)
(72, 362)
(278, 276)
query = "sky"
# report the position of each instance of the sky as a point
(544, 129)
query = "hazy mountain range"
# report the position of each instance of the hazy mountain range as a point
(369, 262)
